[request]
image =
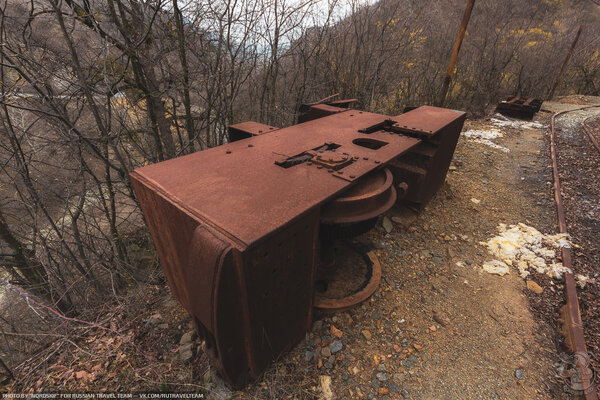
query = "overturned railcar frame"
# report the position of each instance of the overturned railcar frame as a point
(236, 226)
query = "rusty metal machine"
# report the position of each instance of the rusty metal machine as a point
(239, 227)
(519, 107)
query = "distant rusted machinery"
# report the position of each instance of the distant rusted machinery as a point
(241, 229)
(519, 107)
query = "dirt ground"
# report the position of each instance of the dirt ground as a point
(439, 327)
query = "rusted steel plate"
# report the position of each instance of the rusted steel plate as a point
(240, 190)
(248, 129)
(426, 120)
(519, 107)
(318, 111)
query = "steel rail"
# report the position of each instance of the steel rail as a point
(588, 131)
(571, 312)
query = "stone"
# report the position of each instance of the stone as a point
(186, 353)
(405, 394)
(325, 351)
(366, 334)
(336, 346)
(406, 221)
(519, 373)
(387, 224)
(325, 387)
(220, 391)
(534, 287)
(163, 326)
(393, 387)
(381, 367)
(308, 355)
(335, 332)
(382, 376)
(188, 337)
(383, 390)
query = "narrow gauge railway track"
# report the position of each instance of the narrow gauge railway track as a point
(593, 137)
(573, 325)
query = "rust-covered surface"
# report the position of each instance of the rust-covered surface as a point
(236, 226)
(519, 107)
(248, 129)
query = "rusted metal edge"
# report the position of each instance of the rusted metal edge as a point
(590, 134)
(239, 243)
(334, 305)
(572, 314)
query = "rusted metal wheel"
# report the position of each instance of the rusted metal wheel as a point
(352, 279)
(373, 195)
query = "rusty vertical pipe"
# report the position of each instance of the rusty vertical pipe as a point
(459, 39)
(564, 66)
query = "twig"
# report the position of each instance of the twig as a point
(10, 374)
(28, 299)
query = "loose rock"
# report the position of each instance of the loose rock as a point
(382, 376)
(336, 332)
(187, 337)
(325, 386)
(387, 224)
(534, 287)
(336, 346)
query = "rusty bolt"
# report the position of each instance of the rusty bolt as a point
(330, 170)
(228, 151)
(340, 172)
(319, 166)
(365, 158)
(377, 161)
(250, 145)
(309, 163)
(352, 176)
